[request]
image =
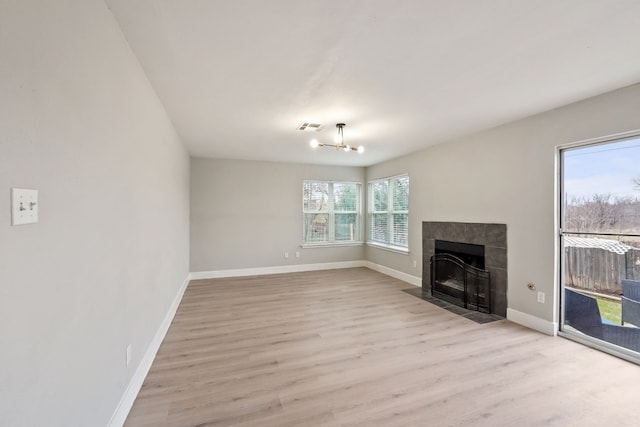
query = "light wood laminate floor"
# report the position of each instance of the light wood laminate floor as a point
(349, 348)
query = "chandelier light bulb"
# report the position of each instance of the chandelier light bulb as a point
(314, 143)
(360, 149)
(346, 148)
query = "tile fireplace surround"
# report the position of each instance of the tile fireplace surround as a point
(494, 239)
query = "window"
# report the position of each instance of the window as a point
(331, 212)
(389, 212)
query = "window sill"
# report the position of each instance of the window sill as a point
(329, 244)
(396, 249)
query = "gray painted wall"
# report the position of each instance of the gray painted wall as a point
(507, 175)
(246, 214)
(80, 123)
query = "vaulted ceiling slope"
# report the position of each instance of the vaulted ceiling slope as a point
(238, 76)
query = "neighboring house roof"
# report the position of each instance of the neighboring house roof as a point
(589, 242)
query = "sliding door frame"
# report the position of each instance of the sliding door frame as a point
(560, 207)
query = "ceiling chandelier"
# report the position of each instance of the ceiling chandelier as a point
(339, 142)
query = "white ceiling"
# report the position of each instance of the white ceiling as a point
(238, 76)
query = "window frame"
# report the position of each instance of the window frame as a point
(331, 212)
(390, 243)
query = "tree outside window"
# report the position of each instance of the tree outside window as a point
(331, 212)
(389, 211)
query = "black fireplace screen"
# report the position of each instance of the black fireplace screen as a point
(459, 283)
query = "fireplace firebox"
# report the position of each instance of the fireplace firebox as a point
(458, 275)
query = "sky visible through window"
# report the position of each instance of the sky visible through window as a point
(603, 169)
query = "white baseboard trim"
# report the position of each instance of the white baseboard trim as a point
(217, 274)
(412, 280)
(532, 322)
(130, 394)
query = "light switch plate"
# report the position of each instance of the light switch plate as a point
(24, 206)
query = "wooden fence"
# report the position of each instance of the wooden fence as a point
(600, 270)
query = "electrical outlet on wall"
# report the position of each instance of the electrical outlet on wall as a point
(541, 297)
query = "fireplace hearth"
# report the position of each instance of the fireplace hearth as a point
(480, 247)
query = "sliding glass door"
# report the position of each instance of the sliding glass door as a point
(600, 242)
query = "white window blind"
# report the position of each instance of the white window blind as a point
(331, 212)
(389, 211)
